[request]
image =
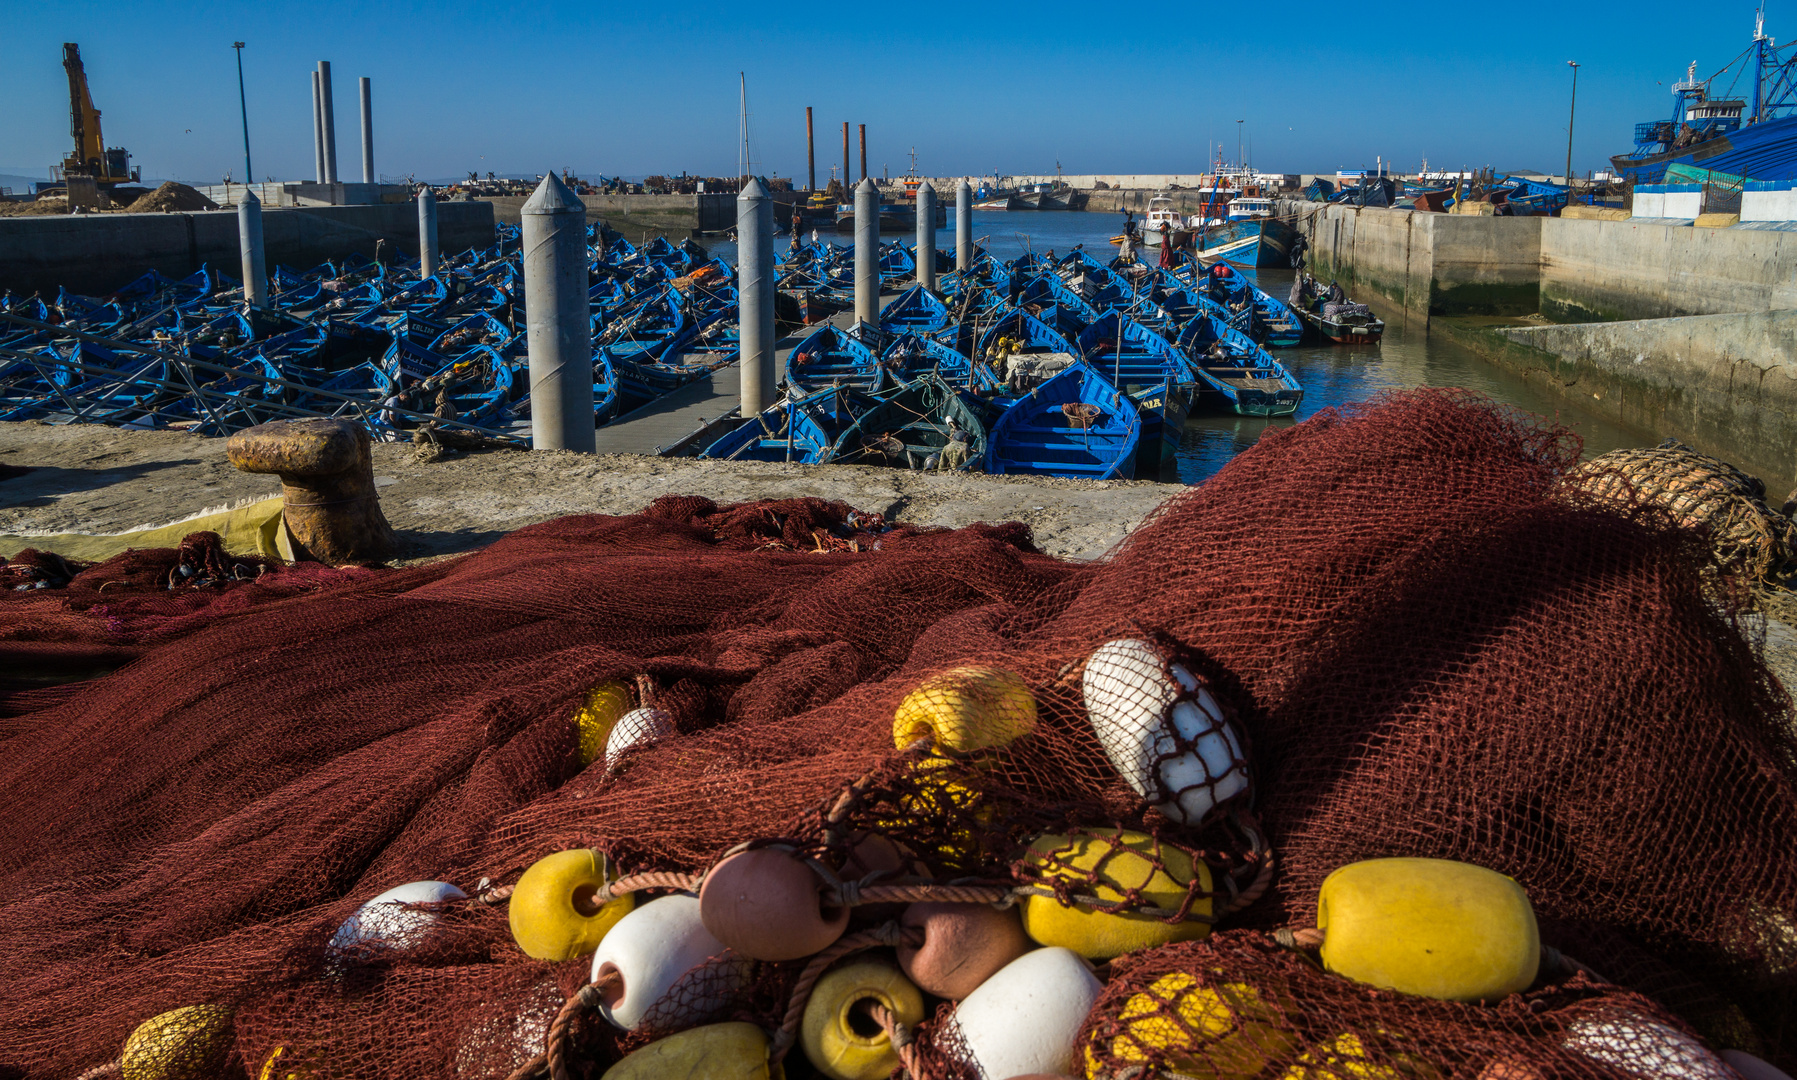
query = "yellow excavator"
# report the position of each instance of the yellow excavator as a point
(108, 167)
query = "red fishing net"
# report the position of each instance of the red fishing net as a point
(1389, 631)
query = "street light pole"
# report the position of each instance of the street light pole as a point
(1238, 144)
(1571, 111)
(243, 105)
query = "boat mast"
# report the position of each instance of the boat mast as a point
(1759, 62)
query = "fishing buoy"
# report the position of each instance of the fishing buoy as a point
(388, 921)
(562, 906)
(1752, 1068)
(765, 904)
(651, 949)
(638, 727)
(594, 720)
(734, 1051)
(966, 708)
(1025, 1018)
(839, 1035)
(963, 946)
(280, 1065)
(1108, 864)
(1187, 764)
(1345, 1058)
(191, 1043)
(1429, 927)
(1224, 1030)
(1645, 1048)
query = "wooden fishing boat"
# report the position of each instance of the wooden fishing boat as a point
(909, 356)
(1342, 322)
(914, 427)
(1274, 324)
(1075, 424)
(1245, 375)
(896, 264)
(831, 357)
(1154, 373)
(1039, 291)
(803, 428)
(916, 309)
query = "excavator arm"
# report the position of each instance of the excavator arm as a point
(89, 157)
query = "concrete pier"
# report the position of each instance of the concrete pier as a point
(362, 92)
(867, 253)
(560, 330)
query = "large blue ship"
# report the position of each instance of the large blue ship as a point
(1753, 137)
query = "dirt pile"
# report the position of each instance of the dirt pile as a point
(171, 198)
(53, 205)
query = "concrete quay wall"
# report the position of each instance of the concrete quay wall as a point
(98, 253)
(1726, 384)
(1600, 271)
(673, 215)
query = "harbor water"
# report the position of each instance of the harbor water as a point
(1332, 375)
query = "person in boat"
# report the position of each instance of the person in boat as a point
(1129, 223)
(400, 399)
(955, 451)
(1127, 253)
(1335, 294)
(798, 228)
(1167, 246)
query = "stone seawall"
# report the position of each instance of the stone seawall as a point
(97, 253)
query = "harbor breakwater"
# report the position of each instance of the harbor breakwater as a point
(1675, 330)
(98, 253)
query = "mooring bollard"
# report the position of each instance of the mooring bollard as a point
(755, 295)
(964, 227)
(560, 334)
(249, 243)
(926, 237)
(327, 483)
(367, 130)
(427, 232)
(867, 253)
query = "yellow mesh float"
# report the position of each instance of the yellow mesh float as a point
(191, 1043)
(840, 1035)
(1429, 927)
(1223, 1030)
(594, 720)
(966, 708)
(1108, 865)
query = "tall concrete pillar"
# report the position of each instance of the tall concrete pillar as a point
(863, 128)
(559, 335)
(810, 154)
(367, 130)
(867, 253)
(926, 237)
(845, 158)
(328, 110)
(963, 226)
(317, 130)
(755, 294)
(249, 242)
(427, 232)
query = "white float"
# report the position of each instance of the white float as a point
(1645, 1048)
(638, 727)
(1127, 692)
(1025, 1018)
(387, 920)
(652, 948)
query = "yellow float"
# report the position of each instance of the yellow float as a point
(1429, 927)
(183, 1044)
(594, 720)
(839, 1035)
(559, 908)
(1224, 1031)
(734, 1051)
(1107, 864)
(965, 709)
(1345, 1058)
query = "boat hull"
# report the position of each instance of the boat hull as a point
(1766, 150)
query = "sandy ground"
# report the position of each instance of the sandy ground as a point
(91, 478)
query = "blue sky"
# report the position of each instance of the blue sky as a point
(644, 88)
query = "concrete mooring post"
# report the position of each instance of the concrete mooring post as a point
(249, 242)
(427, 231)
(926, 236)
(329, 111)
(755, 295)
(963, 226)
(367, 129)
(867, 253)
(560, 335)
(317, 130)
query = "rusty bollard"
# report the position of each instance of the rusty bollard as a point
(327, 480)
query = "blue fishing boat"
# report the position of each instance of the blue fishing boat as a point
(1075, 424)
(910, 355)
(1244, 375)
(916, 309)
(1273, 322)
(896, 264)
(831, 357)
(1753, 136)
(1154, 373)
(1045, 290)
(803, 428)
(925, 424)
(1019, 349)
